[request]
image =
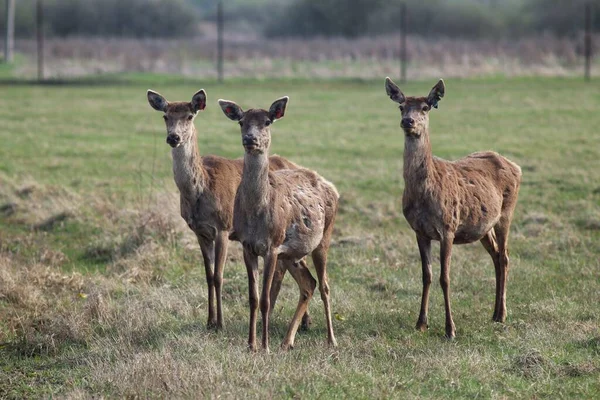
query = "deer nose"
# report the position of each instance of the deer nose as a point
(173, 139)
(407, 122)
(249, 140)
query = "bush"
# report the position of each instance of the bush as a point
(324, 18)
(451, 18)
(561, 17)
(131, 18)
(338, 18)
(24, 18)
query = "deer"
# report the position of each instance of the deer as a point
(207, 187)
(454, 202)
(280, 215)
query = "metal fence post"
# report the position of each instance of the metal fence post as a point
(403, 30)
(9, 40)
(40, 38)
(220, 24)
(588, 41)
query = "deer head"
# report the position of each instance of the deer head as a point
(256, 123)
(415, 110)
(179, 116)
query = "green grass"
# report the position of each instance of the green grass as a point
(111, 301)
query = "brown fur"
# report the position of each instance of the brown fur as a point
(454, 202)
(283, 214)
(207, 187)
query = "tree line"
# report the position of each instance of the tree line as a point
(307, 18)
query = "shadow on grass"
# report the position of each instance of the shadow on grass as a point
(592, 345)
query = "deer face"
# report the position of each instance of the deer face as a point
(415, 110)
(255, 124)
(179, 116)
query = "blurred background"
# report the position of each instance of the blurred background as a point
(298, 38)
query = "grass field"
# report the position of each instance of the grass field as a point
(102, 291)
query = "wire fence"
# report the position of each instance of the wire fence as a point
(222, 54)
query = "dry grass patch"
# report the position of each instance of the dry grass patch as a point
(39, 207)
(41, 310)
(256, 57)
(45, 308)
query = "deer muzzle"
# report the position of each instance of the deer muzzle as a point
(173, 140)
(249, 142)
(407, 123)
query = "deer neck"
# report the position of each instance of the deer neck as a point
(190, 176)
(255, 180)
(418, 162)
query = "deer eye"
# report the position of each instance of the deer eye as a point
(425, 107)
(165, 118)
(190, 117)
(268, 122)
(401, 108)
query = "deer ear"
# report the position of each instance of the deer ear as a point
(231, 110)
(393, 91)
(157, 102)
(199, 100)
(436, 94)
(277, 109)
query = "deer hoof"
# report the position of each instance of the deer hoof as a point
(306, 322)
(499, 318)
(286, 347)
(450, 335)
(422, 326)
(212, 324)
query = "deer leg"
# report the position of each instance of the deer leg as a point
(307, 285)
(251, 262)
(490, 244)
(280, 270)
(208, 254)
(319, 256)
(425, 252)
(265, 298)
(502, 229)
(445, 254)
(306, 319)
(282, 267)
(221, 244)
